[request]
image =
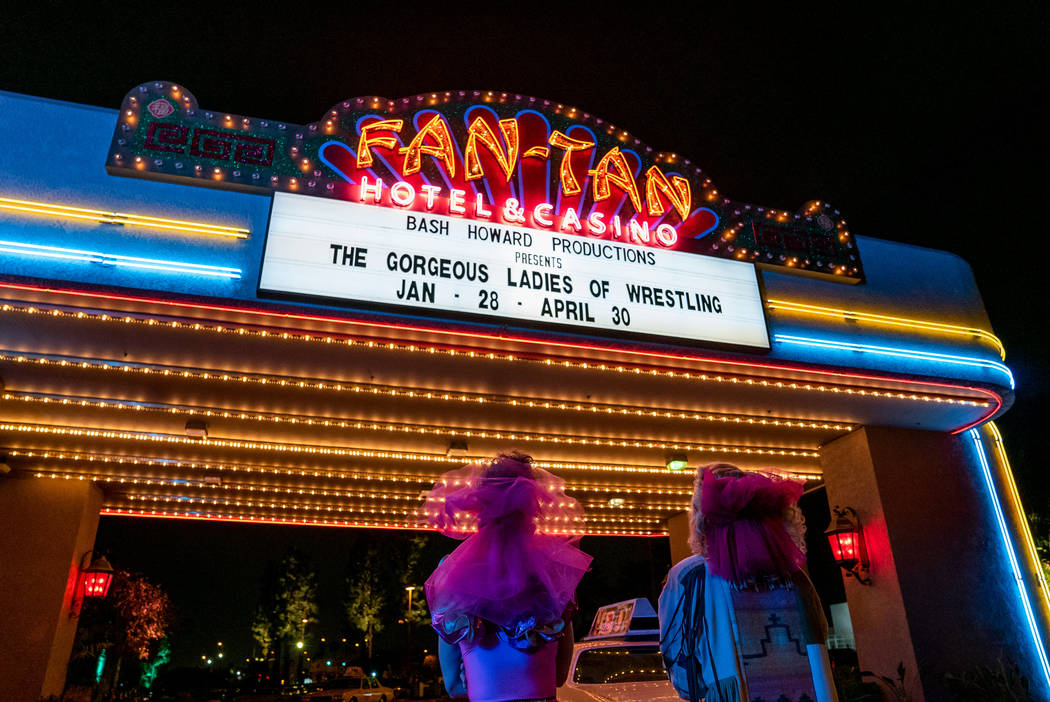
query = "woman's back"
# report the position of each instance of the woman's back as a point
(740, 617)
(493, 667)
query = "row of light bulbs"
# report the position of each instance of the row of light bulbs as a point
(590, 408)
(360, 474)
(302, 521)
(601, 367)
(316, 450)
(300, 492)
(407, 428)
(556, 525)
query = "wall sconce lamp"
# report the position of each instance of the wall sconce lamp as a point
(92, 581)
(677, 461)
(846, 538)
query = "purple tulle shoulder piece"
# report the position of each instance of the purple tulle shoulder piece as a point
(744, 525)
(518, 565)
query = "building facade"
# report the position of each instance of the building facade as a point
(212, 316)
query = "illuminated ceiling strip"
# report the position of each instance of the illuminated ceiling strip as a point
(87, 457)
(548, 525)
(315, 450)
(586, 408)
(995, 404)
(896, 352)
(545, 526)
(285, 506)
(257, 494)
(258, 490)
(411, 428)
(106, 259)
(888, 320)
(235, 468)
(160, 437)
(637, 513)
(723, 378)
(220, 517)
(83, 213)
(260, 501)
(672, 507)
(263, 495)
(1020, 518)
(1015, 568)
(154, 514)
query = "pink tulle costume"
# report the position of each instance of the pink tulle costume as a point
(744, 526)
(516, 572)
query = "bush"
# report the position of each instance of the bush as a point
(1001, 681)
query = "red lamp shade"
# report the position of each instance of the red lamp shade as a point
(844, 546)
(97, 578)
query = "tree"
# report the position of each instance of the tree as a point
(1040, 526)
(288, 603)
(145, 611)
(150, 667)
(296, 595)
(262, 630)
(365, 598)
(416, 608)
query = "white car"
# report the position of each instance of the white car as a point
(618, 670)
(357, 688)
(619, 660)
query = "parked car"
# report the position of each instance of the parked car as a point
(619, 660)
(267, 694)
(357, 688)
(617, 670)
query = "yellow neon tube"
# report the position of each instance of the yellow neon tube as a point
(1026, 531)
(83, 213)
(888, 320)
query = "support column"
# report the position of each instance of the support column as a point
(678, 535)
(47, 525)
(943, 598)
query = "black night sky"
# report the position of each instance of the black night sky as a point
(920, 126)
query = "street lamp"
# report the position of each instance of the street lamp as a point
(412, 669)
(300, 644)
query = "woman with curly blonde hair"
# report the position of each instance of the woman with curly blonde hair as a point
(789, 518)
(740, 619)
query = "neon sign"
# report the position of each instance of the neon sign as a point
(498, 158)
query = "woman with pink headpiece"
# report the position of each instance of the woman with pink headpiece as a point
(740, 619)
(502, 602)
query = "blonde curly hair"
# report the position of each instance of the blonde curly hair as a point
(794, 523)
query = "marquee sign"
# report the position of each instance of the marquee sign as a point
(435, 263)
(501, 159)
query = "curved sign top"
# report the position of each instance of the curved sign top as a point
(496, 157)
